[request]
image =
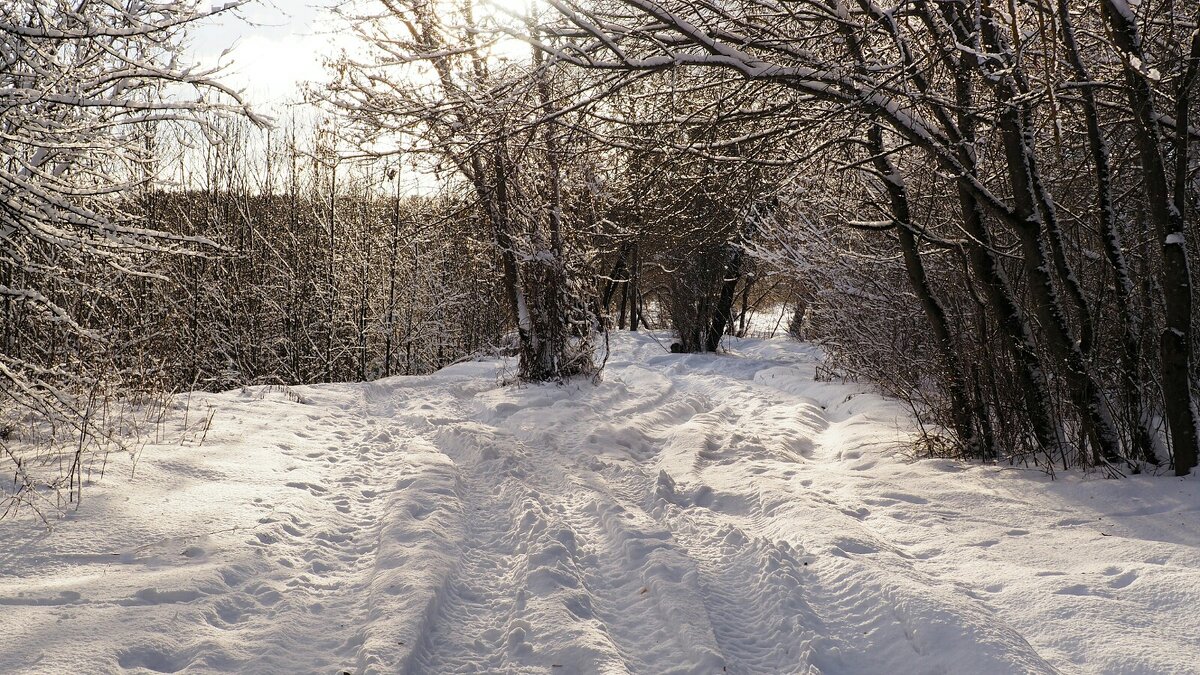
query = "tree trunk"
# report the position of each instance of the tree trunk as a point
(962, 409)
(1131, 393)
(635, 304)
(985, 267)
(1085, 394)
(389, 334)
(618, 270)
(1175, 341)
(724, 308)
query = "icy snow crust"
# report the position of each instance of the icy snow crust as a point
(690, 514)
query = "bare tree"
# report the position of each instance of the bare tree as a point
(82, 86)
(433, 84)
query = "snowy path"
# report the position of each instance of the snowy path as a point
(690, 514)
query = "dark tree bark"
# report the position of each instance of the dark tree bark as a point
(723, 310)
(1131, 394)
(615, 276)
(963, 408)
(1175, 341)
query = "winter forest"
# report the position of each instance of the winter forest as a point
(583, 336)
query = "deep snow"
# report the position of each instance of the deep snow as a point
(692, 514)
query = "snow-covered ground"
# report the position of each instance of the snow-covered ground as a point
(691, 514)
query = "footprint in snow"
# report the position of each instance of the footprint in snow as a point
(1120, 579)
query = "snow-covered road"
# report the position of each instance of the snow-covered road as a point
(690, 514)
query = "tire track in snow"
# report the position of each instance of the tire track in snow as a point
(643, 586)
(748, 591)
(513, 599)
(414, 496)
(555, 573)
(753, 588)
(658, 602)
(769, 611)
(474, 623)
(903, 624)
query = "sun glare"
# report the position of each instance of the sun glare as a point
(512, 14)
(509, 8)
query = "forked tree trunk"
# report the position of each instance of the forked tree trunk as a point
(1036, 227)
(1085, 394)
(986, 268)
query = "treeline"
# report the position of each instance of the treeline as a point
(318, 282)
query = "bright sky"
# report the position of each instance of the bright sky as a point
(282, 43)
(278, 46)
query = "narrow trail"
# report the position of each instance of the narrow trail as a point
(688, 514)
